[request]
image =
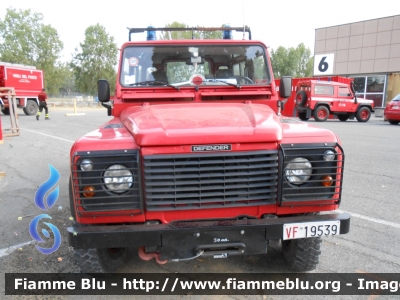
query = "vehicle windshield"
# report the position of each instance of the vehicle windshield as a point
(397, 98)
(194, 65)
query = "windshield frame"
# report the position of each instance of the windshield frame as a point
(138, 61)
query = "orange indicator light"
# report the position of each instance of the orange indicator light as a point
(88, 191)
(327, 180)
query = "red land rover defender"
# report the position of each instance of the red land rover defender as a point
(198, 161)
(320, 99)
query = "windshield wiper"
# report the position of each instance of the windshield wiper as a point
(176, 85)
(153, 83)
(228, 83)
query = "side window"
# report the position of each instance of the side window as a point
(323, 90)
(344, 91)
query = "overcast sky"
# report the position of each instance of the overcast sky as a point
(277, 23)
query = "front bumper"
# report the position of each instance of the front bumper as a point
(180, 240)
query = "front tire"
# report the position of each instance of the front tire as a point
(302, 255)
(31, 108)
(343, 118)
(303, 116)
(363, 114)
(101, 260)
(393, 122)
(321, 114)
(6, 111)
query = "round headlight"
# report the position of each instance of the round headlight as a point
(86, 165)
(298, 170)
(329, 155)
(118, 178)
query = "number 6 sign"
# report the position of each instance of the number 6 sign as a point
(323, 64)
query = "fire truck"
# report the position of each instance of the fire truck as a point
(27, 82)
(326, 97)
(199, 162)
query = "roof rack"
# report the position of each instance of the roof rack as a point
(193, 29)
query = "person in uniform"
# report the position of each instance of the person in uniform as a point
(43, 104)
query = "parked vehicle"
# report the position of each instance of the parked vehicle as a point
(392, 111)
(199, 162)
(290, 104)
(319, 98)
(27, 82)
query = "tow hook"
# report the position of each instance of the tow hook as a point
(149, 256)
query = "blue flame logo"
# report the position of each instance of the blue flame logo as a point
(45, 187)
(34, 233)
(40, 198)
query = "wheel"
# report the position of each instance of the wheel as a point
(303, 254)
(393, 122)
(31, 108)
(321, 114)
(301, 98)
(6, 111)
(243, 80)
(343, 118)
(101, 260)
(303, 116)
(363, 114)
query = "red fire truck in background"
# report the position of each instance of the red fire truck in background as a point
(326, 97)
(27, 82)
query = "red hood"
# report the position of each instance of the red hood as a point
(198, 123)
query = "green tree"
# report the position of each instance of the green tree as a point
(187, 35)
(66, 79)
(295, 62)
(178, 71)
(96, 59)
(305, 62)
(24, 39)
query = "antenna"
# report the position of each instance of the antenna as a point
(243, 21)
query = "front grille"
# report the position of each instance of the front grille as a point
(105, 199)
(313, 189)
(212, 180)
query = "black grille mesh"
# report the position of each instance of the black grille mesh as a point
(105, 199)
(313, 189)
(195, 181)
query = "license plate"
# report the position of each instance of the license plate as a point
(396, 107)
(311, 229)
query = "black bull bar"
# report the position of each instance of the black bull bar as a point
(188, 238)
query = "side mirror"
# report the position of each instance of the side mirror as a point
(354, 92)
(103, 90)
(285, 87)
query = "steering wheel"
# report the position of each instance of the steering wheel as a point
(243, 80)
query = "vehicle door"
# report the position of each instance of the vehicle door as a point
(345, 100)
